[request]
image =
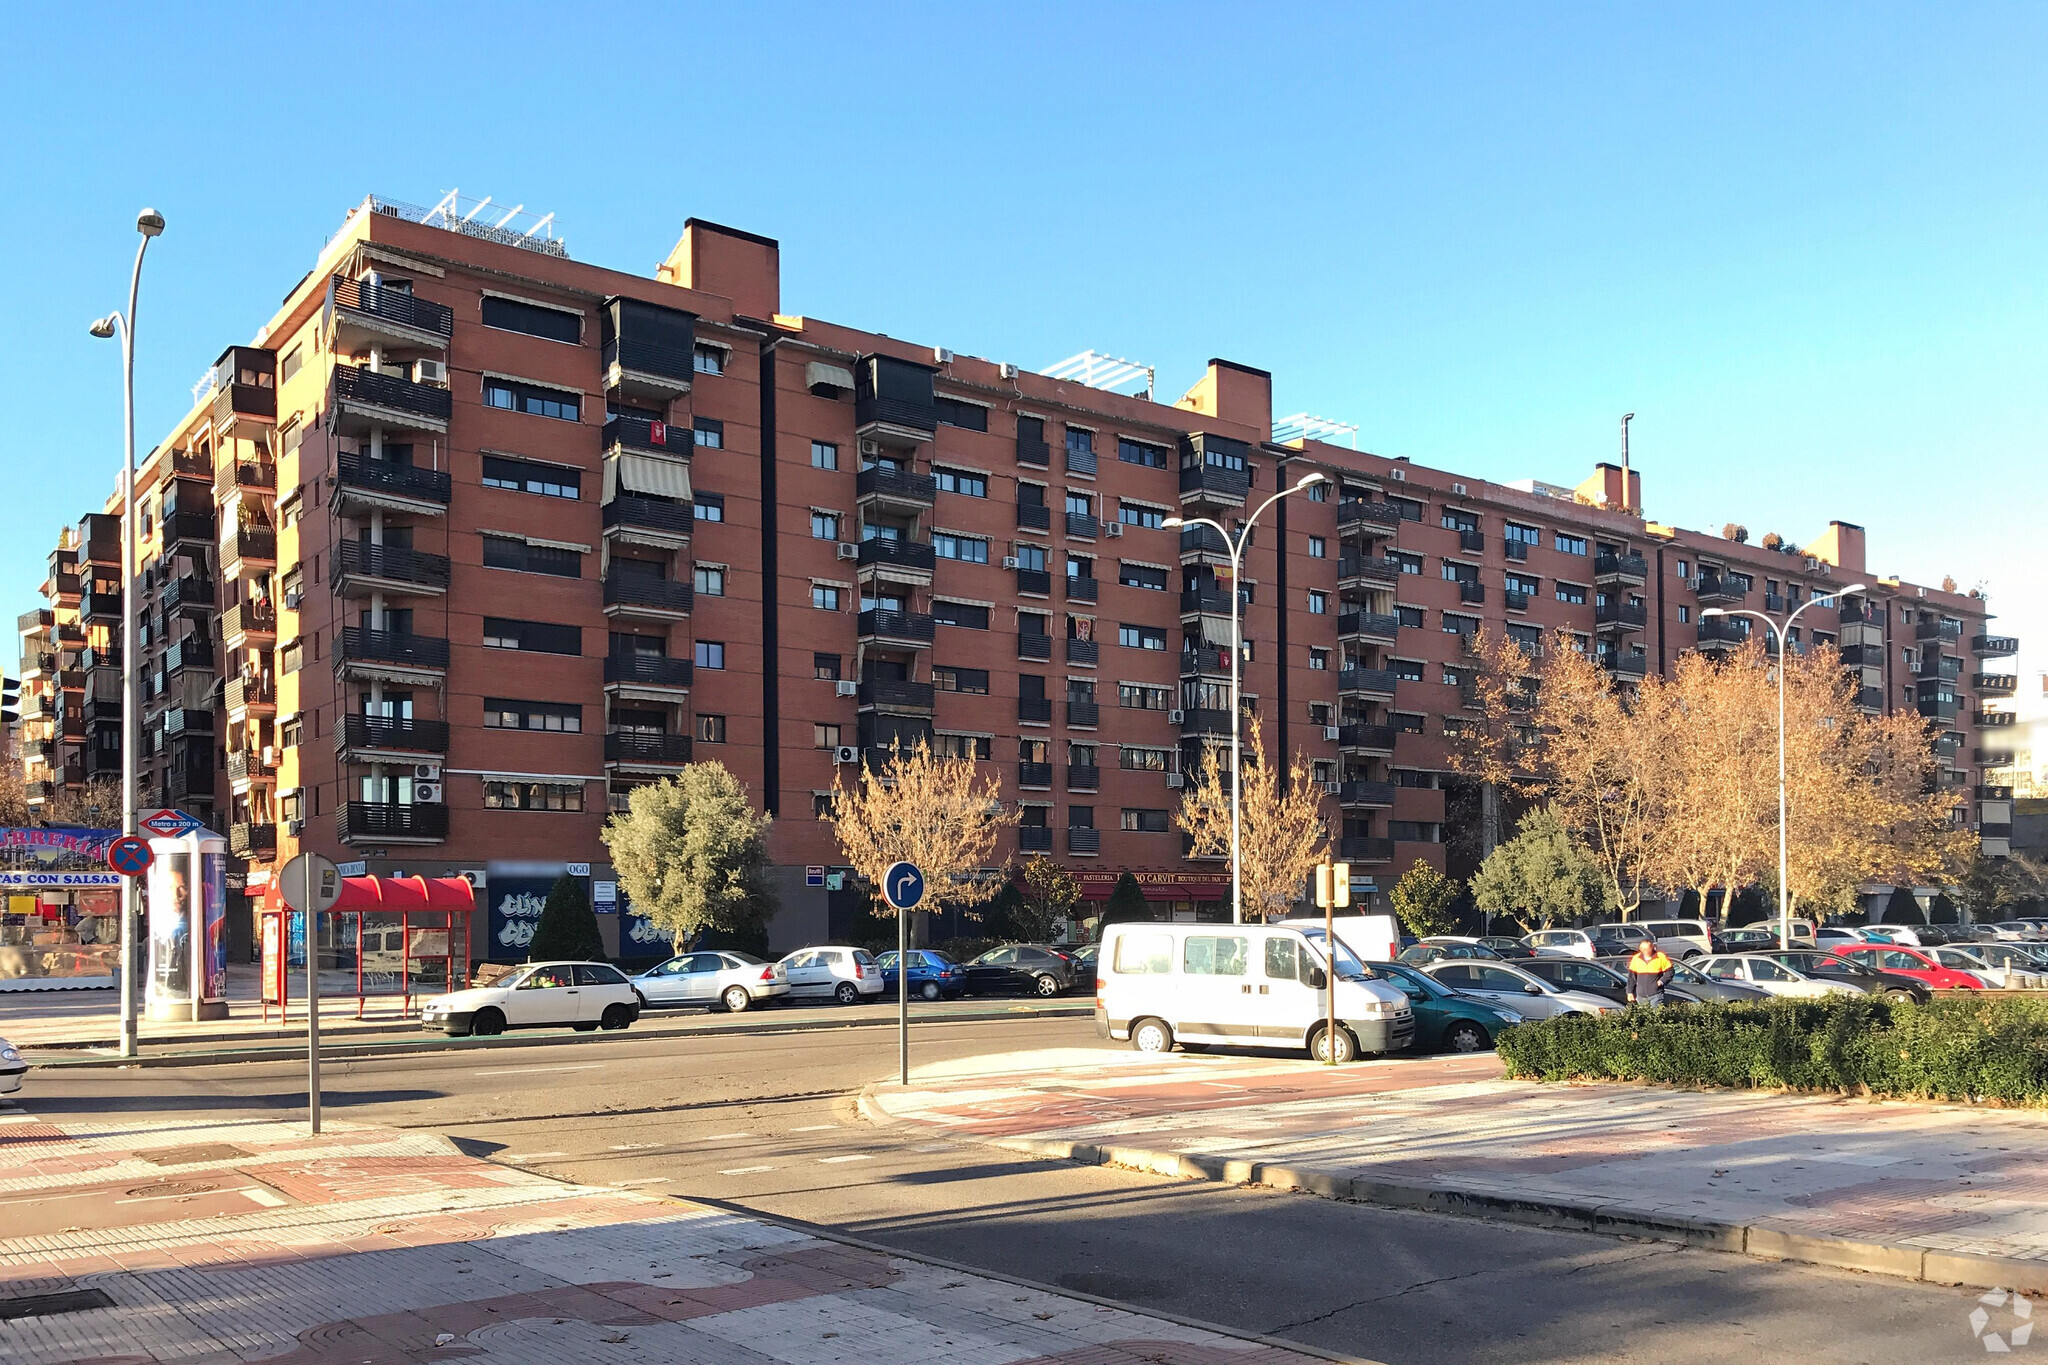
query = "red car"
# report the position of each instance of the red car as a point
(1886, 957)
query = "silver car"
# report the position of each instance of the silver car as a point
(728, 980)
(1510, 988)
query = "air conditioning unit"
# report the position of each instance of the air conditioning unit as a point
(1398, 475)
(1176, 717)
(847, 550)
(430, 372)
(426, 793)
(1114, 529)
(295, 828)
(1459, 489)
(1012, 562)
(941, 356)
(293, 598)
(846, 688)
(846, 753)
(426, 772)
(1175, 780)
(1330, 732)
(1007, 370)
(475, 876)
(1332, 788)
(870, 447)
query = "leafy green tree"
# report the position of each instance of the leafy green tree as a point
(1127, 903)
(567, 927)
(1998, 888)
(1541, 877)
(1047, 893)
(692, 854)
(1426, 901)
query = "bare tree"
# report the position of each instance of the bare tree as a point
(932, 812)
(1283, 833)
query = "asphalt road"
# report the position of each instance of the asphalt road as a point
(768, 1124)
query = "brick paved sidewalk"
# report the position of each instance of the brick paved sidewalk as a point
(125, 1240)
(1937, 1192)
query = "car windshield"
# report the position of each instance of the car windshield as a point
(1681, 972)
(1349, 968)
(1412, 983)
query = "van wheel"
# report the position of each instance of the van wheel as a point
(737, 999)
(1466, 1037)
(1323, 1049)
(848, 993)
(1151, 1035)
(930, 990)
(616, 1017)
(487, 1023)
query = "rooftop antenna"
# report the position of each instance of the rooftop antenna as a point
(1626, 418)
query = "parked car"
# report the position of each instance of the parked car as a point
(12, 1068)
(1679, 938)
(1511, 988)
(1445, 950)
(1830, 938)
(1748, 939)
(1913, 962)
(1772, 976)
(1997, 965)
(1020, 967)
(1247, 985)
(1443, 1018)
(578, 995)
(1688, 978)
(1828, 965)
(727, 979)
(1509, 948)
(1600, 941)
(848, 975)
(932, 975)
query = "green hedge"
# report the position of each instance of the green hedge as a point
(1970, 1046)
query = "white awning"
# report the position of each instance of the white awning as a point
(647, 474)
(818, 374)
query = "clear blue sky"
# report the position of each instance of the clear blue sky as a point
(1805, 246)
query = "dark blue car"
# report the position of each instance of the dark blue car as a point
(932, 975)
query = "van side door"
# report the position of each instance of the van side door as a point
(1287, 1005)
(1216, 986)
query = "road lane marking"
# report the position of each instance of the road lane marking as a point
(814, 1128)
(835, 1160)
(747, 1170)
(529, 1156)
(722, 1137)
(633, 1146)
(537, 1070)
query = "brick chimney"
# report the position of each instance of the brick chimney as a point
(730, 263)
(1234, 393)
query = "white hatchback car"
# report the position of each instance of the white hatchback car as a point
(1507, 987)
(578, 995)
(848, 975)
(1770, 976)
(726, 979)
(12, 1068)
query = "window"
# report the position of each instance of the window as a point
(1319, 712)
(1319, 492)
(824, 455)
(1137, 452)
(955, 413)
(1455, 624)
(710, 654)
(1409, 509)
(533, 399)
(967, 549)
(1318, 548)
(500, 714)
(965, 482)
(1030, 557)
(824, 526)
(1144, 955)
(1571, 592)
(1452, 677)
(1144, 697)
(563, 796)
(825, 667)
(949, 679)
(1458, 519)
(1408, 722)
(1141, 637)
(1454, 572)
(526, 476)
(537, 637)
(1408, 670)
(1319, 660)
(960, 614)
(507, 552)
(1080, 442)
(1522, 583)
(1683, 571)
(1141, 576)
(709, 506)
(711, 729)
(1411, 617)
(825, 596)
(293, 655)
(821, 805)
(1318, 602)
(1145, 821)
(1684, 616)
(554, 324)
(1138, 514)
(1571, 545)
(960, 746)
(1517, 534)
(1216, 955)
(1405, 562)
(709, 433)
(1139, 760)
(824, 736)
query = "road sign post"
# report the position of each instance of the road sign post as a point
(310, 884)
(902, 889)
(1333, 892)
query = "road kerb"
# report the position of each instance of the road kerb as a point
(1762, 1240)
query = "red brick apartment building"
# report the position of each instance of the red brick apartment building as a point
(471, 538)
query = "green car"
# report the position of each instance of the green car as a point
(1443, 1018)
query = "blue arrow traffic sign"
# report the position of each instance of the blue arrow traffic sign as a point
(129, 856)
(902, 886)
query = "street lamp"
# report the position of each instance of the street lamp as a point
(149, 223)
(1784, 890)
(1236, 548)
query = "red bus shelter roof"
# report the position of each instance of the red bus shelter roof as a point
(392, 894)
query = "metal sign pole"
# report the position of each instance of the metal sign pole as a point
(903, 996)
(1330, 973)
(312, 996)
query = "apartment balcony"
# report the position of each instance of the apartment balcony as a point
(1514, 599)
(237, 404)
(359, 568)
(193, 652)
(362, 483)
(1472, 542)
(1034, 646)
(1206, 483)
(1614, 618)
(362, 314)
(1084, 777)
(895, 489)
(189, 592)
(255, 476)
(1083, 652)
(1368, 625)
(626, 434)
(255, 545)
(1870, 699)
(1034, 516)
(101, 603)
(912, 558)
(894, 401)
(648, 351)
(654, 675)
(646, 749)
(1719, 633)
(1034, 453)
(1365, 739)
(1862, 656)
(1993, 792)
(1081, 462)
(1946, 667)
(1946, 632)
(1370, 795)
(188, 527)
(913, 628)
(1035, 776)
(1774, 603)
(661, 599)
(1205, 601)
(1034, 710)
(1083, 715)
(1082, 526)
(1994, 646)
(1202, 720)
(652, 521)
(1369, 682)
(254, 841)
(397, 656)
(363, 399)
(1081, 589)
(1359, 571)
(380, 822)
(1083, 840)
(1938, 708)
(365, 738)
(1719, 590)
(1624, 665)
(1612, 570)
(244, 766)
(182, 720)
(1206, 662)
(1946, 747)
(1353, 848)
(1993, 720)
(183, 784)
(1034, 583)
(1471, 590)
(1995, 684)
(896, 695)
(1034, 838)
(1357, 517)
(1994, 758)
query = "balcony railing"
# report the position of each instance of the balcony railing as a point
(1369, 568)
(1608, 565)
(641, 590)
(1034, 582)
(1472, 542)
(252, 840)
(1083, 840)
(1994, 646)
(900, 554)
(1034, 774)
(1208, 660)
(887, 623)
(896, 485)
(1369, 624)
(1372, 680)
(242, 693)
(1357, 514)
(1205, 720)
(1379, 738)
(1365, 794)
(1083, 652)
(95, 604)
(398, 734)
(1626, 615)
(248, 618)
(1992, 720)
(1623, 665)
(1033, 452)
(1713, 588)
(1870, 698)
(648, 670)
(1719, 630)
(179, 526)
(358, 559)
(398, 306)
(1993, 792)
(1863, 656)
(1471, 591)
(189, 591)
(1202, 540)
(1994, 758)
(188, 720)
(1081, 589)
(243, 765)
(629, 511)
(1515, 599)
(1032, 645)
(1034, 516)
(257, 544)
(1083, 715)
(1924, 629)
(1080, 461)
(1211, 601)
(1037, 710)
(390, 820)
(1083, 777)
(1212, 481)
(626, 432)
(194, 652)
(1083, 526)
(1354, 848)
(1516, 550)
(354, 385)
(394, 478)
(1996, 684)
(646, 746)
(892, 694)
(1034, 838)
(359, 644)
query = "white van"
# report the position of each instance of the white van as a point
(1371, 938)
(1246, 985)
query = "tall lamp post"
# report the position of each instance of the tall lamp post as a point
(1235, 546)
(1784, 889)
(149, 223)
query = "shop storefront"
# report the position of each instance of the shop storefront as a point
(60, 927)
(1179, 897)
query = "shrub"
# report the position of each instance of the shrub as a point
(1968, 1047)
(567, 927)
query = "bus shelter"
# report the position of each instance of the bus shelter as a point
(386, 937)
